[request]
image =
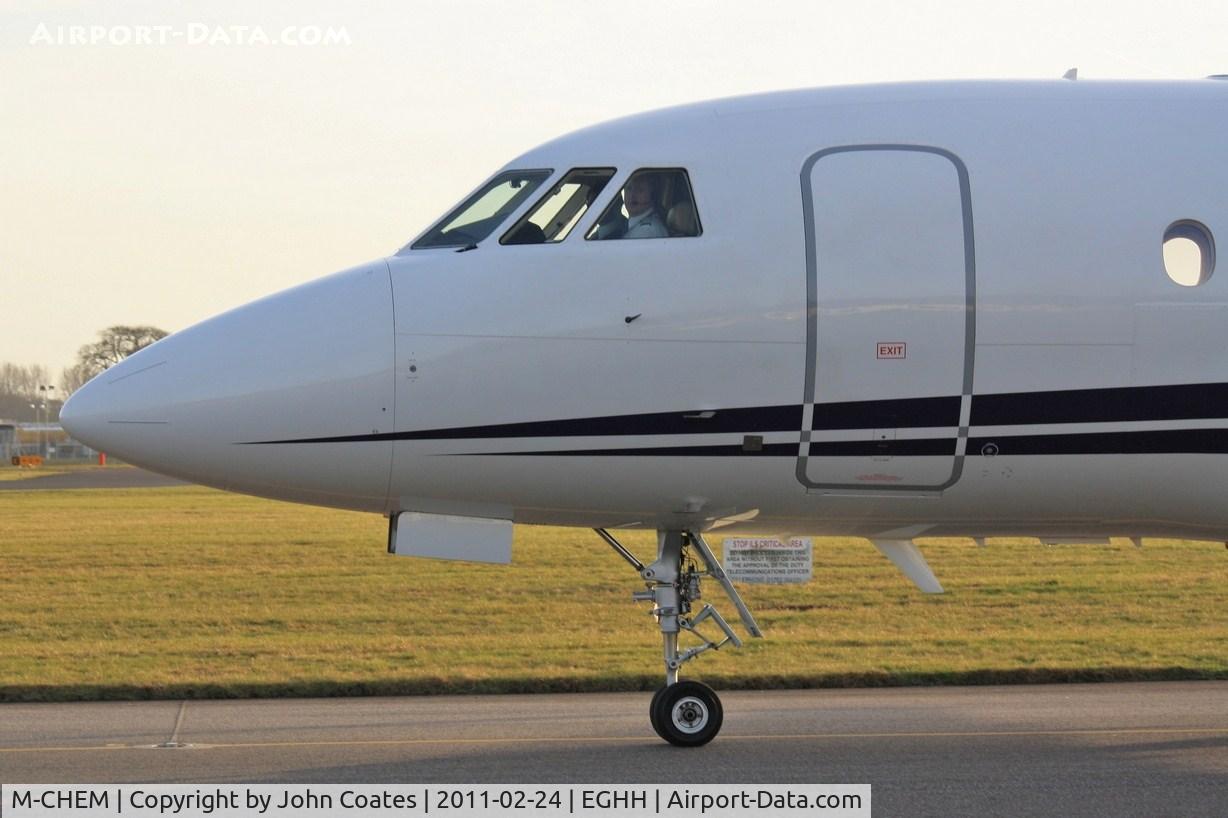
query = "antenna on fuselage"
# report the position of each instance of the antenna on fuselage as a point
(1072, 74)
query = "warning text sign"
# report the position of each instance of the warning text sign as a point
(768, 560)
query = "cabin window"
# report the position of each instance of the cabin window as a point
(478, 216)
(1189, 252)
(656, 203)
(554, 216)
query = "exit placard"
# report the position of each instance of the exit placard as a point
(892, 349)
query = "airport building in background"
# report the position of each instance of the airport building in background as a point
(46, 440)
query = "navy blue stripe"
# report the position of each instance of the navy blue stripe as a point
(1117, 405)
(1168, 441)
(924, 447)
(1124, 404)
(838, 448)
(829, 448)
(756, 419)
(896, 413)
(910, 413)
(768, 450)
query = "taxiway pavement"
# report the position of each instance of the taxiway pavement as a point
(1101, 749)
(113, 477)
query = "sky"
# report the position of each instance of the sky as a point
(161, 162)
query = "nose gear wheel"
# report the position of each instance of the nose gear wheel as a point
(687, 714)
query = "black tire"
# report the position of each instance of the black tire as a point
(687, 714)
(652, 710)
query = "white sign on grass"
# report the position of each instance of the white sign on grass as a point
(768, 560)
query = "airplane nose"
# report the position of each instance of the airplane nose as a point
(98, 413)
(83, 415)
(254, 399)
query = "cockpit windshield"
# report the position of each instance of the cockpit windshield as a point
(477, 217)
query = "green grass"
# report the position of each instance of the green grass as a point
(185, 592)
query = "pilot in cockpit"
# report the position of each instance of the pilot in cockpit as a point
(643, 219)
(654, 204)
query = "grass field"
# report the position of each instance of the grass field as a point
(189, 592)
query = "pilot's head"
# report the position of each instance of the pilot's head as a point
(638, 194)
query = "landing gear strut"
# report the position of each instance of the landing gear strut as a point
(687, 713)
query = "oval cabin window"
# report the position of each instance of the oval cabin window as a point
(1189, 253)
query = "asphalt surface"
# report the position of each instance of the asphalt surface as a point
(1147, 749)
(113, 477)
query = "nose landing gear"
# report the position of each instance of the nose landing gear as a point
(687, 713)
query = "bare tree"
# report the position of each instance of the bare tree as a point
(20, 385)
(23, 381)
(20, 396)
(113, 345)
(73, 378)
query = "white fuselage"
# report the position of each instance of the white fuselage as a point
(931, 309)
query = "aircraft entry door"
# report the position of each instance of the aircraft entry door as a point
(891, 319)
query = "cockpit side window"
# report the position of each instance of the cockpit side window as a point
(656, 203)
(478, 216)
(554, 216)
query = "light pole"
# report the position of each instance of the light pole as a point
(42, 432)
